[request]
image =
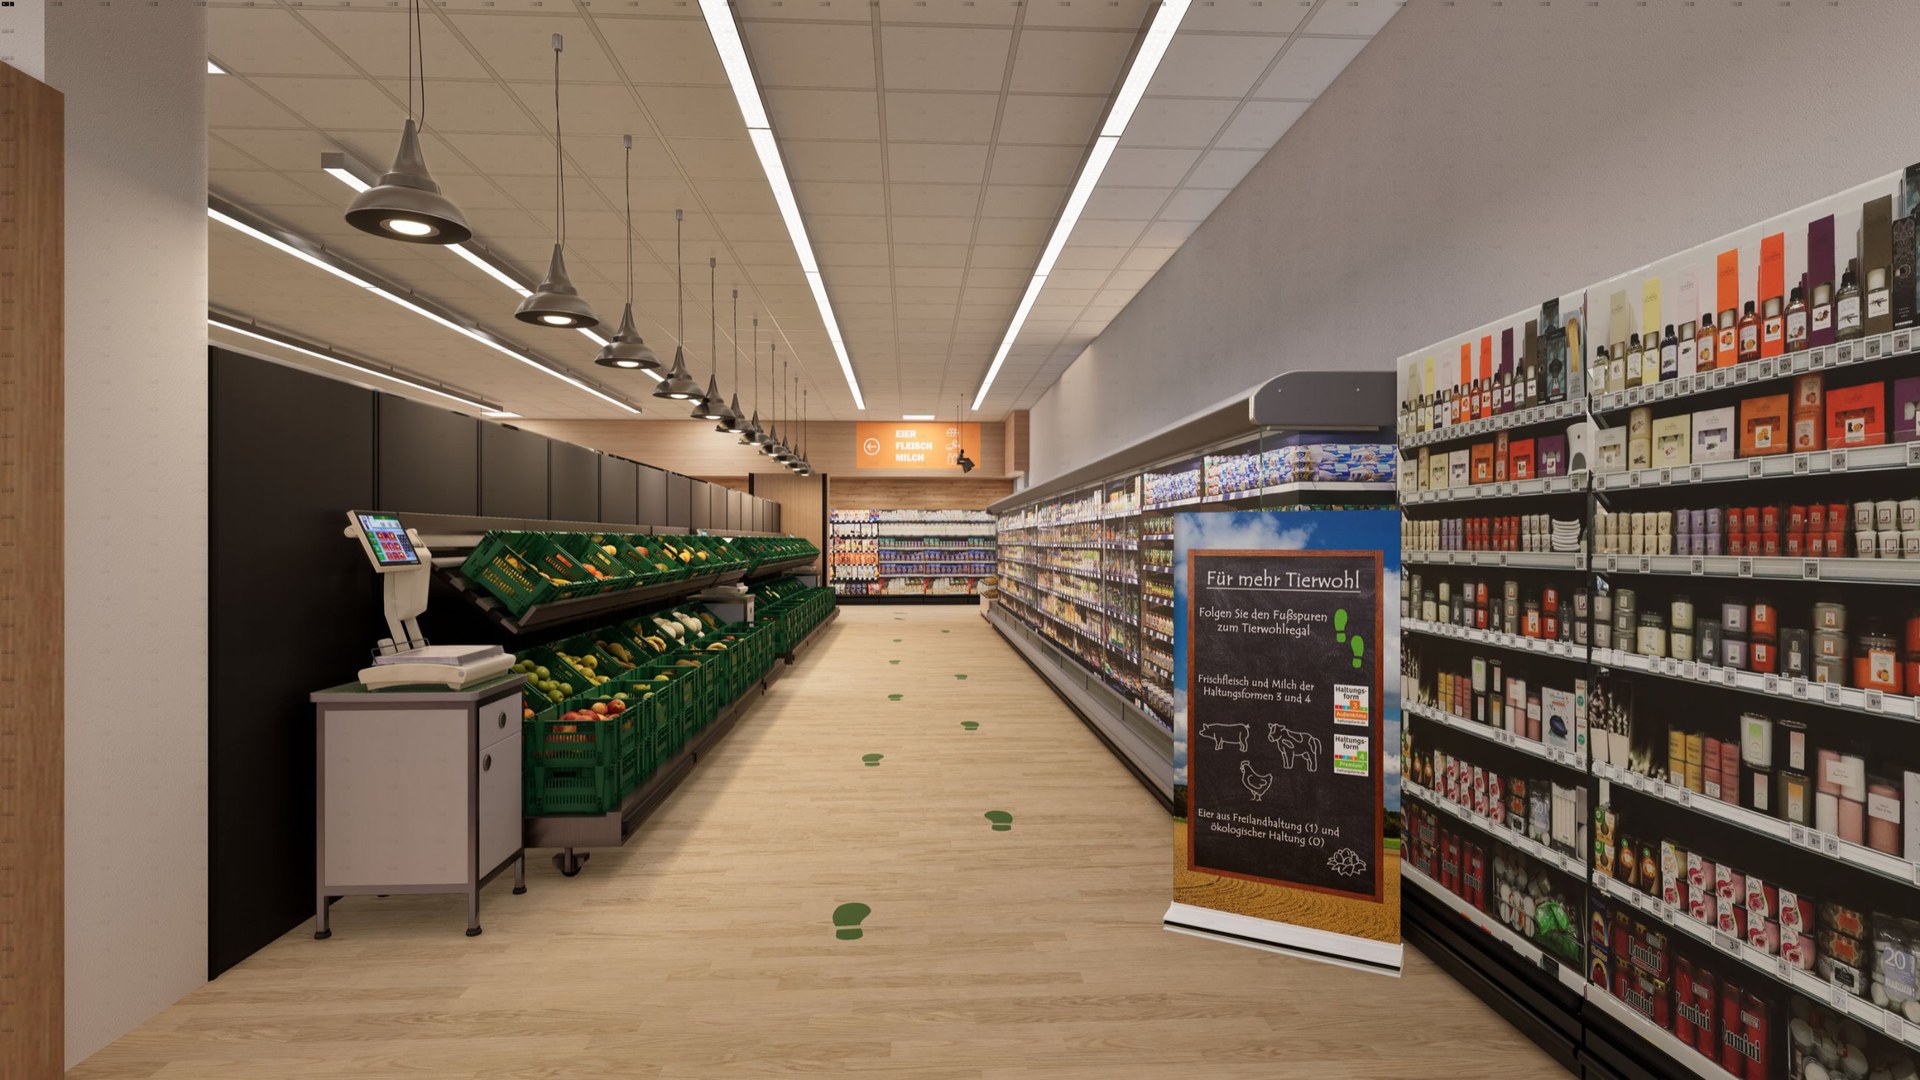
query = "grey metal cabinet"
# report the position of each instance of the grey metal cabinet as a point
(418, 792)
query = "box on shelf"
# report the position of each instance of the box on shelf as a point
(1857, 416)
(1764, 426)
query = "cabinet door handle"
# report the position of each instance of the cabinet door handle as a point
(503, 719)
(486, 762)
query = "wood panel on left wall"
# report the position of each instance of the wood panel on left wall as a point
(32, 599)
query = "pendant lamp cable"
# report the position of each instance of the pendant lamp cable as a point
(679, 280)
(713, 314)
(628, 169)
(736, 342)
(559, 163)
(416, 46)
(756, 365)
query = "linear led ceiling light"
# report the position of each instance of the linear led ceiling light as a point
(313, 255)
(348, 172)
(733, 57)
(1153, 48)
(917, 416)
(214, 69)
(283, 341)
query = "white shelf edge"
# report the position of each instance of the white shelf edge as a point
(1480, 920)
(1564, 863)
(1571, 759)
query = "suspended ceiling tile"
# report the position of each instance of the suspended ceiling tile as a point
(478, 106)
(853, 161)
(1364, 17)
(1126, 204)
(299, 151)
(1192, 204)
(846, 228)
(950, 118)
(1004, 256)
(718, 159)
(1177, 122)
(850, 115)
(967, 12)
(662, 51)
(1069, 61)
(1260, 124)
(996, 277)
(1072, 278)
(1146, 258)
(1001, 230)
(520, 46)
(690, 110)
(1102, 233)
(253, 41)
(928, 58)
(863, 294)
(1097, 14)
(1037, 164)
(1058, 120)
(833, 197)
(927, 294)
(254, 187)
(816, 56)
(821, 10)
(1141, 167)
(376, 39)
(936, 200)
(1024, 200)
(852, 254)
(1199, 65)
(931, 255)
(1083, 256)
(768, 228)
(1309, 66)
(936, 164)
(856, 275)
(1170, 234)
(931, 230)
(927, 275)
(1224, 169)
(1246, 16)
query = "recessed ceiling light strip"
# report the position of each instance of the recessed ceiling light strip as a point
(733, 57)
(1133, 87)
(314, 255)
(246, 328)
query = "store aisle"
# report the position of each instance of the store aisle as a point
(705, 948)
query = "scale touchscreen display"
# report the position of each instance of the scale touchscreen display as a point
(388, 541)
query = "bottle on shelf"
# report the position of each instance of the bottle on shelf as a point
(1669, 355)
(1846, 308)
(1726, 344)
(1796, 321)
(1704, 344)
(1749, 327)
(1635, 361)
(1773, 328)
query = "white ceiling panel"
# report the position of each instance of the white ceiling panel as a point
(931, 145)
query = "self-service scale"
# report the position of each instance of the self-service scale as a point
(405, 658)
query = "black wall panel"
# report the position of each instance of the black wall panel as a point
(770, 516)
(619, 490)
(737, 511)
(513, 472)
(701, 514)
(679, 501)
(292, 607)
(429, 458)
(653, 496)
(573, 482)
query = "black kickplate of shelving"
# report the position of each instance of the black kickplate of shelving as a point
(1549, 1017)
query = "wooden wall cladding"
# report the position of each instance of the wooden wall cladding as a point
(796, 505)
(861, 493)
(32, 601)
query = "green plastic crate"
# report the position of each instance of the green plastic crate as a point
(510, 565)
(675, 570)
(574, 767)
(614, 573)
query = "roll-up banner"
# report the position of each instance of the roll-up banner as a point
(1286, 732)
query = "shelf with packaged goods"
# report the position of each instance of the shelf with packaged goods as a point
(1659, 1038)
(1565, 650)
(976, 572)
(1164, 639)
(1566, 864)
(1302, 487)
(1765, 567)
(1573, 483)
(1778, 687)
(1771, 467)
(1880, 864)
(1531, 416)
(1779, 969)
(1899, 343)
(1571, 759)
(1090, 575)
(1518, 560)
(1481, 921)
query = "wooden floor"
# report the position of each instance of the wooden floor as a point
(704, 948)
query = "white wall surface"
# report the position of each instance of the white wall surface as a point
(134, 77)
(1476, 159)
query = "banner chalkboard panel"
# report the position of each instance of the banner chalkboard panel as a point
(1285, 755)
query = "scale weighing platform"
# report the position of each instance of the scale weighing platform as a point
(405, 658)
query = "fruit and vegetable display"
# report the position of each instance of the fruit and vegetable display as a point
(794, 608)
(604, 709)
(522, 569)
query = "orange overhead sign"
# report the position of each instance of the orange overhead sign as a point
(929, 447)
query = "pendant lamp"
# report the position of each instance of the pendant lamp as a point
(750, 432)
(798, 462)
(627, 350)
(801, 466)
(556, 302)
(677, 386)
(713, 404)
(406, 204)
(959, 430)
(771, 439)
(736, 421)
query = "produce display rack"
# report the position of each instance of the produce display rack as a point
(1751, 711)
(921, 555)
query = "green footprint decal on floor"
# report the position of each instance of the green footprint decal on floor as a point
(896, 641)
(872, 760)
(895, 697)
(1002, 821)
(970, 725)
(946, 631)
(893, 661)
(962, 678)
(846, 920)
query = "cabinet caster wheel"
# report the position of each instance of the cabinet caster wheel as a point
(519, 889)
(473, 931)
(322, 935)
(568, 862)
